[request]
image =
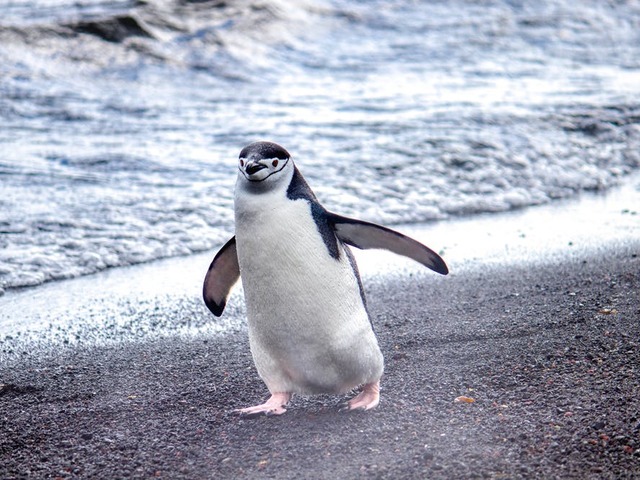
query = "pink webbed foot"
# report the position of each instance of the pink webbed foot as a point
(367, 399)
(274, 406)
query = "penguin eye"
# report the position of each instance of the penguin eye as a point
(274, 163)
(242, 163)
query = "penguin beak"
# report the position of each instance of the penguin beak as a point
(253, 167)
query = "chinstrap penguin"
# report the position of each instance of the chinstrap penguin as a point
(309, 329)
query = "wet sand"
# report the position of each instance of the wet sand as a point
(550, 354)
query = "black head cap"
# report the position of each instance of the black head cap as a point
(264, 150)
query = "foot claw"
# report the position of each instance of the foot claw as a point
(367, 399)
(274, 406)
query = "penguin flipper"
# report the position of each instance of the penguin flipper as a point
(222, 275)
(365, 235)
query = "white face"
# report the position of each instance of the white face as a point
(262, 165)
(258, 170)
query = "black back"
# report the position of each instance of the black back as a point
(299, 190)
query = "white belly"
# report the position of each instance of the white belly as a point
(308, 328)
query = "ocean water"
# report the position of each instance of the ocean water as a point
(122, 120)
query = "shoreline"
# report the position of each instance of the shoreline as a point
(141, 384)
(585, 225)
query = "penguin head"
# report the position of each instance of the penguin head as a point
(263, 163)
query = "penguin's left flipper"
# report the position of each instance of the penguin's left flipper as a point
(222, 275)
(366, 235)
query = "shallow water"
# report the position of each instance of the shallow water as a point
(122, 120)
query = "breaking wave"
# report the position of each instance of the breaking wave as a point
(122, 119)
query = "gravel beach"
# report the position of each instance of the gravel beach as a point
(546, 357)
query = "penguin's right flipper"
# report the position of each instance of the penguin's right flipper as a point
(222, 275)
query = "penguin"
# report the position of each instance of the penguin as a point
(309, 328)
